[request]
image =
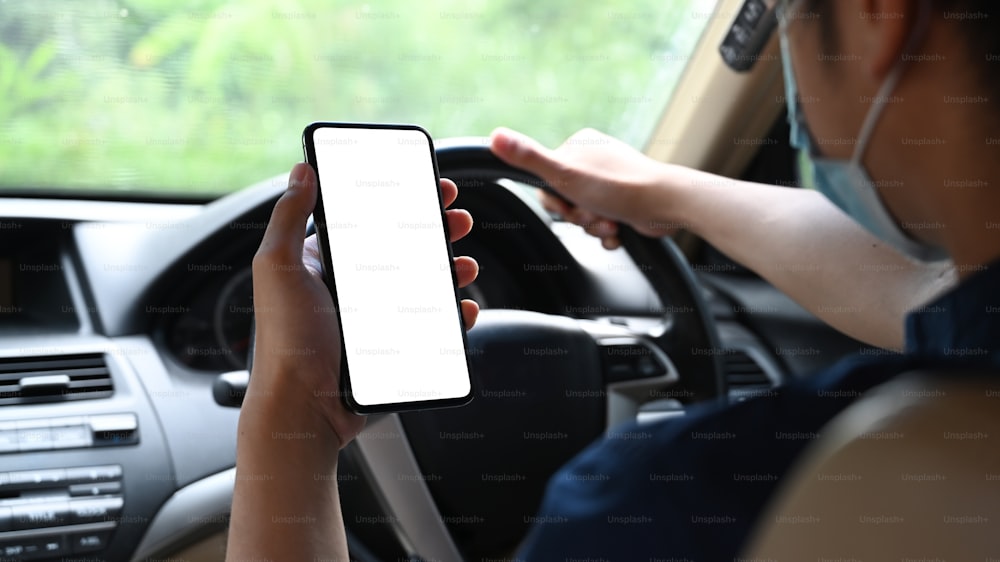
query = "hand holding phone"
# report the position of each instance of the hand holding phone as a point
(387, 259)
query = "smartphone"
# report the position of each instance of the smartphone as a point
(387, 260)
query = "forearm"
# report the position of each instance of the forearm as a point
(807, 248)
(285, 504)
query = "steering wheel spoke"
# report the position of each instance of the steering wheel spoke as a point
(386, 459)
(636, 372)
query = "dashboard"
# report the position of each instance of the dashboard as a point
(212, 333)
(117, 317)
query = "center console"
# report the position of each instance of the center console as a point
(56, 512)
(83, 464)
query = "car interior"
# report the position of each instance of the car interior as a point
(127, 316)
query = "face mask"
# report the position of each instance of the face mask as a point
(846, 183)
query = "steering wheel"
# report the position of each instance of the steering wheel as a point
(463, 482)
(459, 482)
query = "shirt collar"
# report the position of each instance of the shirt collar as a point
(963, 323)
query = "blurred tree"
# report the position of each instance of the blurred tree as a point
(211, 95)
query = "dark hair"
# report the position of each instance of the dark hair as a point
(822, 9)
(982, 29)
(980, 26)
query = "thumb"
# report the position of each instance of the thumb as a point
(282, 243)
(522, 151)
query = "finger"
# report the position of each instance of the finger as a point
(286, 230)
(611, 243)
(522, 151)
(601, 228)
(583, 218)
(459, 223)
(470, 312)
(466, 270)
(310, 256)
(449, 192)
(555, 205)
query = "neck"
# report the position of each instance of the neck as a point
(940, 147)
(962, 181)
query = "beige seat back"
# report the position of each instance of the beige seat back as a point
(909, 472)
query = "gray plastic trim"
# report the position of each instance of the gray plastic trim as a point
(386, 457)
(121, 260)
(186, 513)
(45, 532)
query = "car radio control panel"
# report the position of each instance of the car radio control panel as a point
(56, 512)
(81, 477)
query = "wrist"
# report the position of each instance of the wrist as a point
(285, 416)
(664, 202)
(285, 500)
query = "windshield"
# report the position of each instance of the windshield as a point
(177, 96)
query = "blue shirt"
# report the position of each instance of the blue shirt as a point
(692, 488)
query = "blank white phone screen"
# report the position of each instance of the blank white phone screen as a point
(400, 320)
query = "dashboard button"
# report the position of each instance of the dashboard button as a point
(95, 489)
(86, 474)
(50, 547)
(12, 550)
(48, 514)
(114, 429)
(36, 478)
(34, 439)
(89, 542)
(97, 509)
(34, 549)
(114, 422)
(71, 436)
(8, 441)
(39, 478)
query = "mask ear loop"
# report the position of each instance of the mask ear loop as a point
(800, 136)
(890, 83)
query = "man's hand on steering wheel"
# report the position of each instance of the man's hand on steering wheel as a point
(604, 181)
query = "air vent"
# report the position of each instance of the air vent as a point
(38, 380)
(744, 376)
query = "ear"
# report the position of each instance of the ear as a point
(888, 26)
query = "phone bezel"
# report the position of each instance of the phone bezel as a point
(322, 234)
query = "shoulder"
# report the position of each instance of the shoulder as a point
(635, 492)
(692, 485)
